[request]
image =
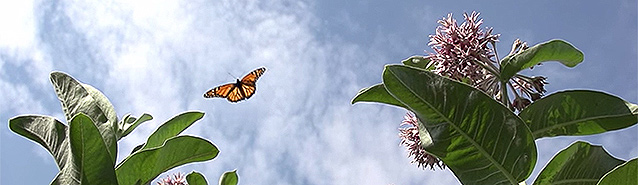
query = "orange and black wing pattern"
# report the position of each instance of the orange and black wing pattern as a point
(240, 90)
(252, 77)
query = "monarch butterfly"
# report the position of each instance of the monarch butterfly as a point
(240, 90)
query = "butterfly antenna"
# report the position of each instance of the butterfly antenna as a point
(231, 75)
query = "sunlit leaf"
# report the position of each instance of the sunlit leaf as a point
(626, 174)
(553, 50)
(478, 138)
(229, 178)
(418, 62)
(127, 127)
(90, 155)
(145, 165)
(196, 178)
(578, 112)
(76, 97)
(376, 93)
(578, 164)
(46, 131)
(172, 128)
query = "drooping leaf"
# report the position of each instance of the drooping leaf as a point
(578, 112)
(90, 155)
(229, 178)
(46, 131)
(68, 174)
(127, 126)
(479, 139)
(626, 174)
(172, 128)
(376, 93)
(145, 165)
(553, 50)
(580, 163)
(418, 62)
(196, 178)
(52, 135)
(76, 97)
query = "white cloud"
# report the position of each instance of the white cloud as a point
(18, 23)
(299, 128)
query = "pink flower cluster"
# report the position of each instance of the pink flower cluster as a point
(462, 52)
(409, 134)
(178, 179)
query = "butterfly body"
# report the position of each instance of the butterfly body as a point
(240, 90)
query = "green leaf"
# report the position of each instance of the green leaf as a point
(46, 131)
(580, 163)
(145, 165)
(90, 155)
(76, 97)
(172, 128)
(553, 50)
(229, 178)
(130, 123)
(578, 112)
(196, 178)
(479, 139)
(376, 93)
(138, 147)
(419, 62)
(626, 174)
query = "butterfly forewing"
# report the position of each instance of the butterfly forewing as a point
(220, 91)
(238, 91)
(252, 77)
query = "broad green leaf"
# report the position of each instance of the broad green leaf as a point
(553, 50)
(578, 164)
(418, 62)
(76, 97)
(127, 126)
(90, 155)
(46, 131)
(196, 178)
(579, 112)
(376, 93)
(229, 178)
(626, 174)
(145, 165)
(172, 128)
(478, 138)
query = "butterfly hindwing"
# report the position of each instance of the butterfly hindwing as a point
(242, 89)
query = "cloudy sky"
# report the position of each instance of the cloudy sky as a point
(159, 57)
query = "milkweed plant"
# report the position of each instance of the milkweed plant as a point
(472, 111)
(85, 148)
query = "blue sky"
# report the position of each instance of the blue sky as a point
(299, 128)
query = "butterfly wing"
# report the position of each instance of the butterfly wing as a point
(236, 94)
(241, 90)
(248, 89)
(222, 91)
(252, 77)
